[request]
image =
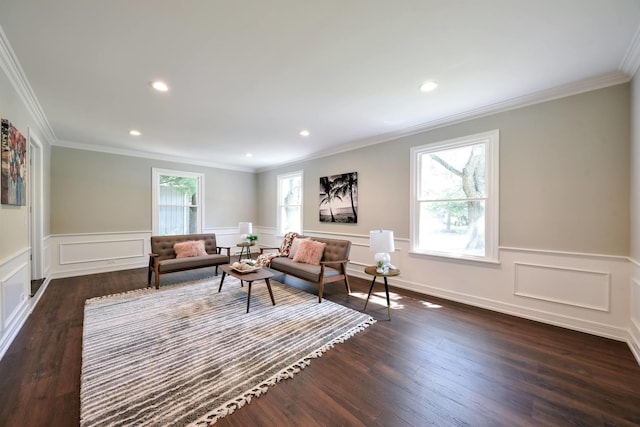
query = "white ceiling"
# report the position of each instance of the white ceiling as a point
(248, 76)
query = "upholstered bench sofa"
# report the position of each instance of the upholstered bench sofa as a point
(165, 256)
(332, 266)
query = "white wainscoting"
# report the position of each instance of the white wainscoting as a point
(14, 296)
(89, 253)
(634, 327)
(228, 237)
(70, 255)
(584, 292)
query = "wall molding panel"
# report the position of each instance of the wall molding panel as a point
(100, 250)
(78, 254)
(569, 286)
(14, 297)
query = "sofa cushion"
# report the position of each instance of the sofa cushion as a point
(177, 264)
(190, 248)
(303, 271)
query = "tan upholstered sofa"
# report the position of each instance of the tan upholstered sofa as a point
(162, 258)
(332, 268)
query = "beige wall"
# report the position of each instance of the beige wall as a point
(95, 192)
(14, 227)
(564, 176)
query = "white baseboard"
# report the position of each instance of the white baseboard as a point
(634, 340)
(36, 298)
(10, 333)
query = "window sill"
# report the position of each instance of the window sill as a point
(455, 258)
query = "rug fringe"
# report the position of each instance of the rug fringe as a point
(236, 403)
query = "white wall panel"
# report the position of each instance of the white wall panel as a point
(581, 288)
(14, 296)
(78, 252)
(13, 292)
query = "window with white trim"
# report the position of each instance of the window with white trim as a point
(177, 202)
(454, 198)
(290, 203)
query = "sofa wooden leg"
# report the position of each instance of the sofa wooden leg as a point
(346, 282)
(157, 281)
(320, 289)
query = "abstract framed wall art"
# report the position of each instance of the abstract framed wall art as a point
(339, 198)
(13, 169)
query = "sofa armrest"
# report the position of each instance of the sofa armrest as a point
(220, 248)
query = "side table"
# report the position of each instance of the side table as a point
(371, 270)
(243, 246)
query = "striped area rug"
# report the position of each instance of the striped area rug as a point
(188, 355)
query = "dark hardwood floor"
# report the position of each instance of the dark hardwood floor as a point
(436, 363)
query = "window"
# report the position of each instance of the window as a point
(290, 203)
(177, 202)
(454, 198)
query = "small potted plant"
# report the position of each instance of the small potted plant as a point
(252, 238)
(379, 267)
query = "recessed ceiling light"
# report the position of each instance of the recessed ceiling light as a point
(304, 132)
(160, 86)
(134, 132)
(249, 155)
(428, 86)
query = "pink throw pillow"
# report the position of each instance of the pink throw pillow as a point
(294, 246)
(310, 252)
(190, 248)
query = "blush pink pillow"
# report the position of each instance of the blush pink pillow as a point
(294, 246)
(309, 252)
(189, 248)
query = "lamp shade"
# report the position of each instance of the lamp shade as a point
(245, 228)
(381, 241)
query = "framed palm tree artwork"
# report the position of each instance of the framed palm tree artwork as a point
(339, 198)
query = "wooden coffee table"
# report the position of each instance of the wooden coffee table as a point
(262, 274)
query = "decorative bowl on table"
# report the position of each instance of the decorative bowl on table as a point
(245, 266)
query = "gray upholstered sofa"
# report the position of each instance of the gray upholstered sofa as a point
(332, 268)
(162, 258)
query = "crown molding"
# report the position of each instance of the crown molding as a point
(147, 155)
(12, 69)
(575, 88)
(631, 60)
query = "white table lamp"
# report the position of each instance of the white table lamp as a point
(245, 229)
(381, 243)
